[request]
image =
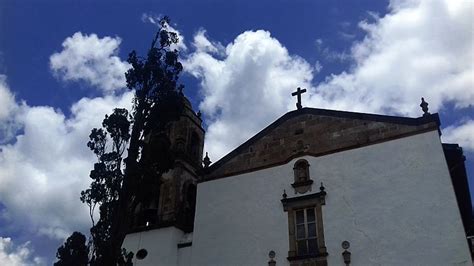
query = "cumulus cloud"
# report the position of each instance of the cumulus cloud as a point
(44, 170)
(91, 59)
(420, 48)
(17, 255)
(47, 165)
(44, 160)
(463, 134)
(404, 56)
(331, 55)
(202, 44)
(245, 89)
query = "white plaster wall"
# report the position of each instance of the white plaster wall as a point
(185, 256)
(161, 245)
(393, 201)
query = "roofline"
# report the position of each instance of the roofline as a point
(326, 112)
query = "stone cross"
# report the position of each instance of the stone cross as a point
(298, 93)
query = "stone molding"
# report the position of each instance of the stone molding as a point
(302, 187)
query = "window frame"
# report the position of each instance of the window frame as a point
(306, 233)
(291, 206)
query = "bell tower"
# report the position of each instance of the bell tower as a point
(174, 204)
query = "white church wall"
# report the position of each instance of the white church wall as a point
(393, 201)
(161, 245)
(185, 256)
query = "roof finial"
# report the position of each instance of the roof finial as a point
(298, 93)
(424, 107)
(206, 161)
(271, 255)
(322, 187)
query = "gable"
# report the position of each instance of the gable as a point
(315, 132)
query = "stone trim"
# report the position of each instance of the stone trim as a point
(307, 256)
(152, 227)
(291, 205)
(302, 187)
(304, 201)
(172, 223)
(183, 245)
(320, 260)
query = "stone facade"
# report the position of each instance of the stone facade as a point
(315, 132)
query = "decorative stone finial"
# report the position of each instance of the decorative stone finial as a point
(424, 107)
(271, 255)
(345, 244)
(322, 188)
(284, 194)
(206, 161)
(346, 255)
(199, 114)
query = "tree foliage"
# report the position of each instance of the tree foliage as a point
(74, 252)
(108, 144)
(119, 185)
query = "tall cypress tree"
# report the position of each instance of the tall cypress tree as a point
(119, 185)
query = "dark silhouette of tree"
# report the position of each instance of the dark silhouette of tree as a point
(119, 185)
(108, 144)
(74, 252)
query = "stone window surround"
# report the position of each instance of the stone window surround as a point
(291, 205)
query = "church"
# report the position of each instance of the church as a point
(315, 187)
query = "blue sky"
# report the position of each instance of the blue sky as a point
(61, 65)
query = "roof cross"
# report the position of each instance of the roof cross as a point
(298, 93)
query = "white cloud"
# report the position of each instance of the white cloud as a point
(203, 44)
(7, 100)
(419, 49)
(91, 59)
(247, 88)
(8, 108)
(44, 170)
(17, 255)
(329, 54)
(463, 134)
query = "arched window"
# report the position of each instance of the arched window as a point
(302, 179)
